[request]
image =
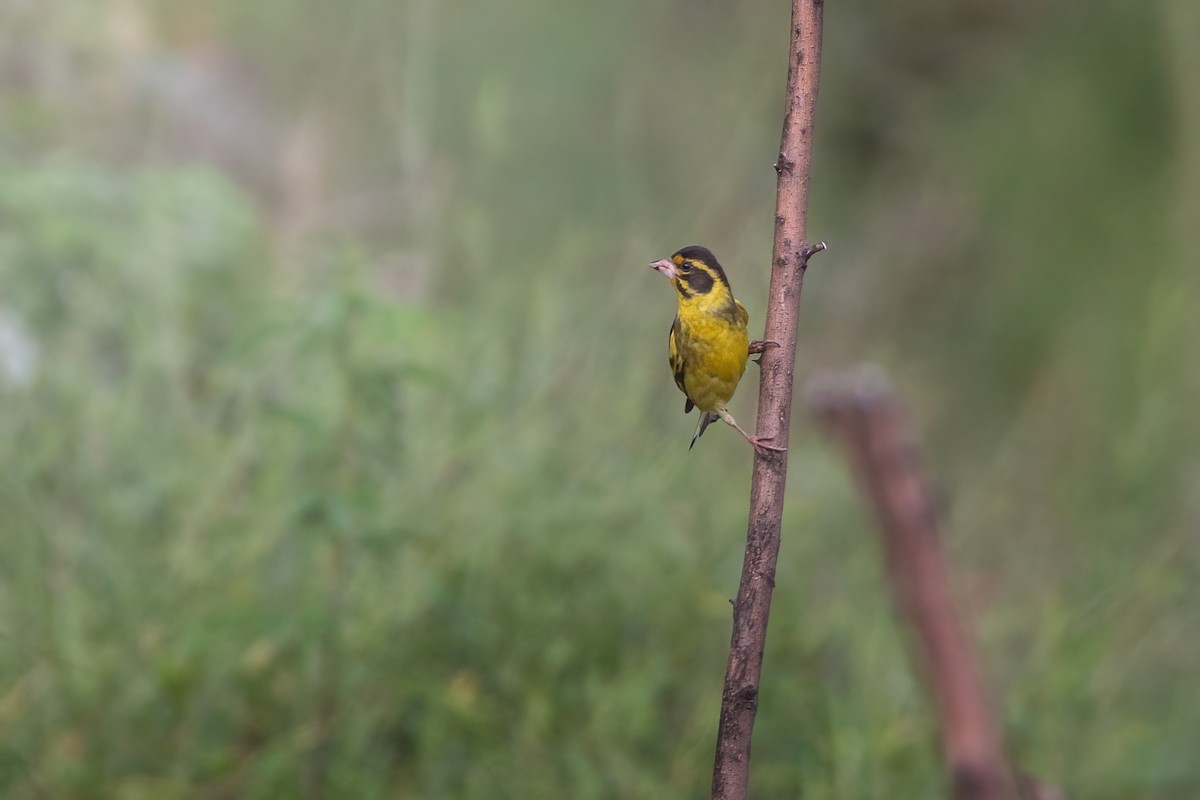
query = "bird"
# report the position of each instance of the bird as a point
(708, 343)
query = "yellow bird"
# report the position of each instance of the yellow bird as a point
(709, 345)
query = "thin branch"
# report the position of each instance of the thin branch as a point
(739, 699)
(861, 412)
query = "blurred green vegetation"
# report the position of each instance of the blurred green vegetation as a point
(340, 454)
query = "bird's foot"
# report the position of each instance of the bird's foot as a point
(760, 444)
(762, 346)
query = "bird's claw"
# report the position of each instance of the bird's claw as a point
(760, 444)
(759, 346)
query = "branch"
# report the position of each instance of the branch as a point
(861, 412)
(739, 698)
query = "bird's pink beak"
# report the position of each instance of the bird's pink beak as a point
(666, 266)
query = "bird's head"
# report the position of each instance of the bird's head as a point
(695, 272)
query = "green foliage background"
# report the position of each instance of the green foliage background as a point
(349, 464)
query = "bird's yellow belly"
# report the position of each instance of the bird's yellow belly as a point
(716, 360)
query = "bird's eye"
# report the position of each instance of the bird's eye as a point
(687, 267)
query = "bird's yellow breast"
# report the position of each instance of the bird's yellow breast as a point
(709, 351)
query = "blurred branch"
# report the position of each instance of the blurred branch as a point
(861, 412)
(739, 698)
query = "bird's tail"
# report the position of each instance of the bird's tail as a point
(705, 418)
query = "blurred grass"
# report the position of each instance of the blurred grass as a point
(350, 465)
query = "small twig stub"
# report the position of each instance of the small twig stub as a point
(810, 250)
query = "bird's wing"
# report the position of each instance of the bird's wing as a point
(742, 312)
(677, 361)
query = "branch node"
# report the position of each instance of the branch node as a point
(810, 250)
(747, 696)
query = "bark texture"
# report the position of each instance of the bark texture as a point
(739, 701)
